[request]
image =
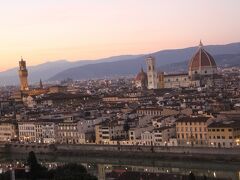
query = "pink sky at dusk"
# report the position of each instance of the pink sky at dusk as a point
(90, 29)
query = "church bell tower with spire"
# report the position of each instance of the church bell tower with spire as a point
(23, 75)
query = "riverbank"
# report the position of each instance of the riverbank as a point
(164, 153)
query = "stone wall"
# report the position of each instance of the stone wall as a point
(126, 151)
(155, 149)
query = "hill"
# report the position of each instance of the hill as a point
(46, 70)
(175, 60)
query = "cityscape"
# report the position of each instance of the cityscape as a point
(177, 120)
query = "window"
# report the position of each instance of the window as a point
(229, 130)
(205, 72)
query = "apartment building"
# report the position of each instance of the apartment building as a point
(8, 131)
(158, 136)
(67, 132)
(27, 131)
(192, 131)
(224, 134)
(108, 131)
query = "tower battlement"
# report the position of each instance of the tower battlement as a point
(23, 75)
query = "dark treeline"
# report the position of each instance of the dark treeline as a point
(38, 172)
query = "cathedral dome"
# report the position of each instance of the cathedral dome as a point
(141, 76)
(202, 60)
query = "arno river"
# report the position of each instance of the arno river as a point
(110, 168)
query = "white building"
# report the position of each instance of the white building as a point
(37, 131)
(27, 131)
(135, 133)
(159, 137)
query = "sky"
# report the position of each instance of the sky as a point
(48, 30)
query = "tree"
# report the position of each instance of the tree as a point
(36, 170)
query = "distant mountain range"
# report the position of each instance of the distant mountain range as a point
(47, 70)
(175, 60)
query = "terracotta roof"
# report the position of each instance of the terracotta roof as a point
(193, 119)
(225, 124)
(201, 59)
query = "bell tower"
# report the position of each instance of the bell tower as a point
(23, 75)
(151, 73)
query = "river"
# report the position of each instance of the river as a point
(106, 168)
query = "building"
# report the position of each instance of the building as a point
(46, 132)
(23, 75)
(157, 111)
(67, 132)
(107, 132)
(224, 134)
(202, 71)
(135, 133)
(202, 64)
(151, 73)
(40, 131)
(159, 136)
(141, 80)
(57, 89)
(8, 131)
(27, 131)
(176, 80)
(192, 131)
